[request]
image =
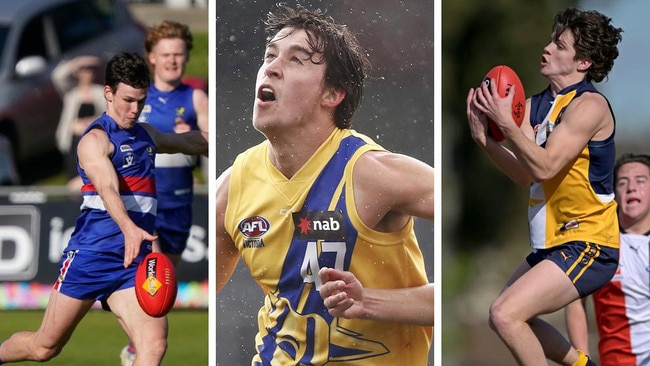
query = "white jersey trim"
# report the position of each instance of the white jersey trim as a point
(178, 160)
(142, 204)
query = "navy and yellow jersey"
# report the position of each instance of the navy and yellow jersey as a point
(287, 229)
(578, 203)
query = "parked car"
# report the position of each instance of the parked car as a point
(35, 35)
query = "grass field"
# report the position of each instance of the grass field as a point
(198, 64)
(98, 340)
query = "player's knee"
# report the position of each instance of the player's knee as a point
(156, 347)
(498, 318)
(161, 346)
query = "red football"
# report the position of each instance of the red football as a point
(505, 77)
(155, 284)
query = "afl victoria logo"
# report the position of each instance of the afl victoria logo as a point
(254, 227)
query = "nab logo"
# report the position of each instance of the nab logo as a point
(254, 227)
(326, 225)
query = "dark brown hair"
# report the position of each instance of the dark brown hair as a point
(127, 68)
(630, 158)
(596, 39)
(346, 63)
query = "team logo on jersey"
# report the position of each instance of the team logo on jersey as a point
(325, 225)
(253, 228)
(129, 160)
(180, 111)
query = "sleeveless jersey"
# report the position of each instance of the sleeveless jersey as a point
(173, 171)
(623, 307)
(578, 203)
(133, 159)
(287, 229)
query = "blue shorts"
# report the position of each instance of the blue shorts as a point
(173, 229)
(87, 275)
(589, 266)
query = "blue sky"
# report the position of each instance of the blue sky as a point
(626, 88)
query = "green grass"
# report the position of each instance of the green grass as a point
(198, 64)
(98, 339)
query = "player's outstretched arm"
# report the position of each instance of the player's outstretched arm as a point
(190, 143)
(344, 296)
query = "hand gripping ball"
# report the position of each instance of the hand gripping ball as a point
(504, 78)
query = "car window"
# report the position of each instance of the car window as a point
(80, 21)
(32, 42)
(4, 31)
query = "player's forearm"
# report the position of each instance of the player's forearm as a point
(507, 162)
(196, 143)
(412, 305)
(534, 158)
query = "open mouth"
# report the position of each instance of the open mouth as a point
(266, 94)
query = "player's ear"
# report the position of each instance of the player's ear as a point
(151, 58)
(584, 65)
(108, 93)
(332, 96)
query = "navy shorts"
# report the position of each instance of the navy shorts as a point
(87, 275)
(173, 229)
(589, 266)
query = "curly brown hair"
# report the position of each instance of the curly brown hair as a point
(596, 39)
(346, 62)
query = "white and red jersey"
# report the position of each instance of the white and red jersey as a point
(623, 306)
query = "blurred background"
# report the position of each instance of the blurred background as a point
(396, 111)
(37, 210)
(37, 36)
(485, 230)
